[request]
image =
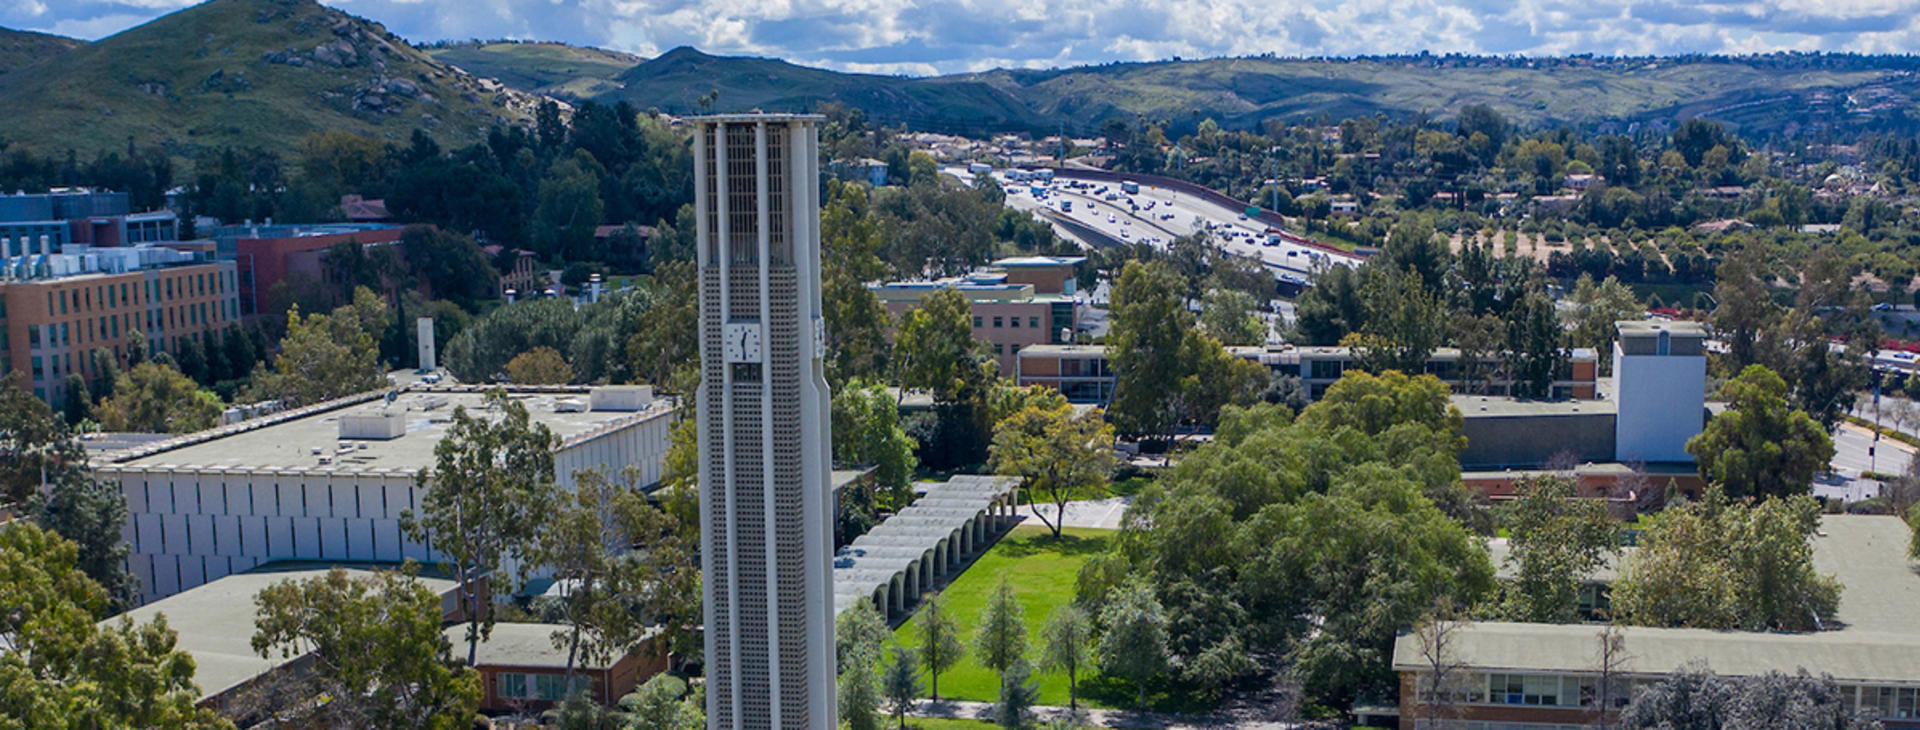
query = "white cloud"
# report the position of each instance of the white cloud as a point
(948, 36)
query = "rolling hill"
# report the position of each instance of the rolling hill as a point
(676, 81)
(251, 73)
(553, 69)
(22, 48)
(1760, 95)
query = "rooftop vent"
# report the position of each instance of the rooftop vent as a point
(569, 405)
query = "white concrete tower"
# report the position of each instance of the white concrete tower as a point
(767, 545)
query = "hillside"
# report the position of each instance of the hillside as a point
(1758, 96)
(676, 81)
(551, 69)
(22, 48)
(250, 73)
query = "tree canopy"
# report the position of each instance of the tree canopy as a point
(1759, 447)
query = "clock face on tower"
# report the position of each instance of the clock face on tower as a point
(742, 342)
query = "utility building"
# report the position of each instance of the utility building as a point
(766, 548)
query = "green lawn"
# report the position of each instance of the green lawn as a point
(1044, 572)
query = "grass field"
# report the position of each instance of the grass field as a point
(1043, 571)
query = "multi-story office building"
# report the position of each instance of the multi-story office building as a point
(767, 545)
(57, 310)
(1017, 304)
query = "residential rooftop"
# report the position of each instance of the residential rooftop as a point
(303, 438)
(520, 645)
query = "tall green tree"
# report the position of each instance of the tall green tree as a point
(1018, 694)
(1596, 307)
(1758, 447)
(901, 684)
(1149, 323)
(850, 243)
(858, 635)
(491, 481)
(940, 646)
(1067, 645)
(1534, 346)
(1134, 645)
(568, 208)
(91, 514)
(623, 563)
(1558, 540)
(1406, 322)
(1000, 642)
(935, 349)
(866, 430)
(375, 651)
(1057, 451)
(1228, 315)
(156, 398)
(63, 670)
(326, 356)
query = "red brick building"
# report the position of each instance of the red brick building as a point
(266, 255)
(521, 670)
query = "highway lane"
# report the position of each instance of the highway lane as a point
(1157, 216)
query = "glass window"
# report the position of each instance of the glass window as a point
(1033, 322)
(999, 322)
(511, 685)
(33, 335)
(1016, 322)
(976, 323)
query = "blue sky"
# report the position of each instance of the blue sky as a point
(930, 36)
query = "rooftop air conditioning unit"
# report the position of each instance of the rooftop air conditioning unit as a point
(621, 397)
(375, 425)
(569, 405)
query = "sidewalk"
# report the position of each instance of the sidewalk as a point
(957, 709)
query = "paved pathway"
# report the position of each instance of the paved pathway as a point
(1097, 513)
(1098, 718)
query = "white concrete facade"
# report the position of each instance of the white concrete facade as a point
(765, 484)
(192, 519)
(1659, 388)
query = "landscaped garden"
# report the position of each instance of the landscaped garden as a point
(1043, 571)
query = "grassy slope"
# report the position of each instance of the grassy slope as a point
(157, 84)
(22, 48)
(676, 80)
(542, 68)
(1044, 573)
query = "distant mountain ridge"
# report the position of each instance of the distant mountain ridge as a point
(248, 73)
(553, 69)
(1787, 93)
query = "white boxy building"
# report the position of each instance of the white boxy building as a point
(1659, 385)
(329, 482)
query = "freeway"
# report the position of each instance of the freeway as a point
(1156, 216)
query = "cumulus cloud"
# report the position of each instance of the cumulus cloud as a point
(950, 36)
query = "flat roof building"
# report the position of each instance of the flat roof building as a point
(1017, 304)
(1522, 675)
(329, 482)
(215, 622)
(1083, 374)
